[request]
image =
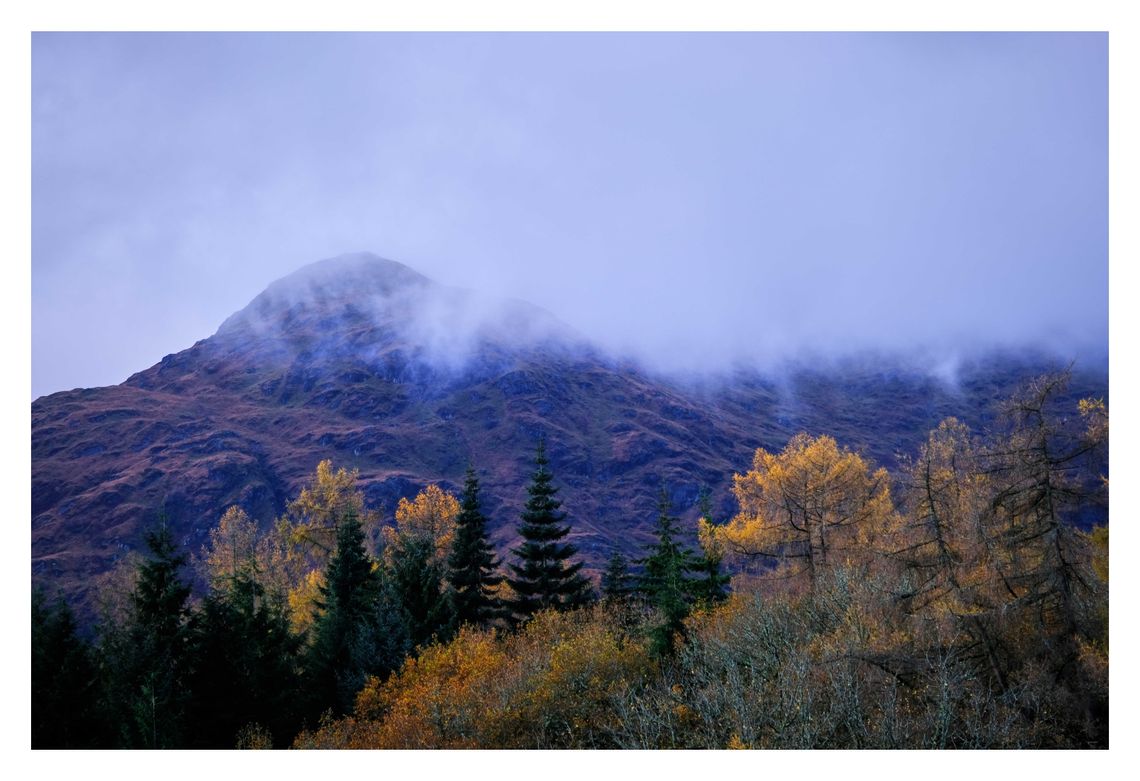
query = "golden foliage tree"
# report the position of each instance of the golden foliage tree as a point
(552, 685)
(814, 505)
(231, 550)
(303, 540)
(943, 541)
(430, 516)
(415, 557)
(311, 520)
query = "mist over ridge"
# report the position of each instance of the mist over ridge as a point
(688, 200)
(448, 327)
(380, 369)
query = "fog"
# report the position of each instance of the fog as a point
(691, 201)
(369, 306)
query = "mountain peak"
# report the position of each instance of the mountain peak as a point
(352, 269)
(362, 304)
(326, 287)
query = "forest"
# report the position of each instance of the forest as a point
(959, 600)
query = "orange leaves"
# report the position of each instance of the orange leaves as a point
(302, 598)
(569, 698)
(311, 519)
(439, 699)
(711, 541)
(292, 557)
(431, 515)
(811, 506)
(551, 685)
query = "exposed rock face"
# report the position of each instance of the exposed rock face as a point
(364, 361)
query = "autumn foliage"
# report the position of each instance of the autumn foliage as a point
(552, 685)
(959, 601)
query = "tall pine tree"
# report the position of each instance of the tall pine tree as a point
(664, 581)
(352, 638)
(65, 691)
(147, 660)
(416, 576)
(544, 577)
(244, 665)
(472, 562)
(617, 583)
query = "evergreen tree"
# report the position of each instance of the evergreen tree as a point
(472, 562)
(617, 583)
(352, 638)
(415, 563)
(417, 577)
(664, 581)
(244, 665)
(147, 659)
(543, 578)
(64, 680)
(712, 586)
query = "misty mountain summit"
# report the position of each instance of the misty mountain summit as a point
(366, 362)
(376, 311)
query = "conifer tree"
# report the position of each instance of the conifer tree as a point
(64, 680)
(472, 562)
(417, 577)
(664, 581)
(415, 563)
(351, 639)
(543, 577)
(617, 583)
(147, 659)
(244, 664)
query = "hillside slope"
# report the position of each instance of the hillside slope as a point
(363, 361)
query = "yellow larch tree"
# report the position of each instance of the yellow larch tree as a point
(304, 538)
(943, 545)
(431, 515)
(814, 505)
(231, 549)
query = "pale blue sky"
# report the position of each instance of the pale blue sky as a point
(690, 199)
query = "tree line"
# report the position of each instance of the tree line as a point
(295, 622)
(951, 603)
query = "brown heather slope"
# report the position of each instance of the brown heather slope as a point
(363, 361)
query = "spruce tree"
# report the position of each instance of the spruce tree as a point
(350, 638)
(417, 577)
(244, 665)
(472, 562)
(146, 660)
(543, 577)
(617, 583)
(65, 689)
(664, 581)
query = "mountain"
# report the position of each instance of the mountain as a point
(366, 362)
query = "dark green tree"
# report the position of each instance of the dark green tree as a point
(417, 577)
(245, 665)
(617, 582)
(354, 634)
(544, 577)
(65, 691)
(472, 562)
(146, 660)
(664, 581)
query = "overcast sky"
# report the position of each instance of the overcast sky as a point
(689, 199)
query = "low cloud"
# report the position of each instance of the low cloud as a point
(694, 202)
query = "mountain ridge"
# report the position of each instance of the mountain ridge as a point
(409, 381)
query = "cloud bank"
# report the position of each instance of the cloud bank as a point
(689, 200)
